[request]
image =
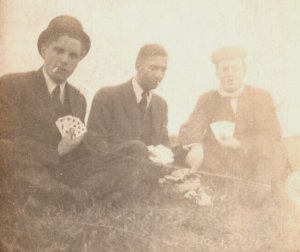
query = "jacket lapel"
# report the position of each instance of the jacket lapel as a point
(243, 113)
(130, 105)
(155, 118)
(73, 100)
(44, 103)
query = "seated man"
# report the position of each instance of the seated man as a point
(41, 162)
(250, 147)
(130, 114)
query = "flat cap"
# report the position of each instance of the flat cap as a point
(65, 25)
(228, 52)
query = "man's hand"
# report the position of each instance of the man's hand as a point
(160, 154)
(230, 142)
(194, 158)
(68, 143)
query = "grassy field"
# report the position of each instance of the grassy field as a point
(161, 222)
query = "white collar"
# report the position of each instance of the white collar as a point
(234, 94)
(51, 85)
(139, 91)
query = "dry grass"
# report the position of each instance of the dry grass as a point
(162, 222)
(159, 223)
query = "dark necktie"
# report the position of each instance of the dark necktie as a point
(143, 103)
(55, 97)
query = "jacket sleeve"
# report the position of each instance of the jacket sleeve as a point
(11, 127)
(266, 128)
(99, 122)
(165, 135)
(194, 129)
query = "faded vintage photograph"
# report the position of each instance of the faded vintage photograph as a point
(149, 125)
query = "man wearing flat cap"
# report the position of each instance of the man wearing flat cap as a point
(234, 130)
(42, 162)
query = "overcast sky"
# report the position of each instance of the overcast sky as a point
(189, 29)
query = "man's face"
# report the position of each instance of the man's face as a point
(61, 57)
(230, 74)
(151, 71)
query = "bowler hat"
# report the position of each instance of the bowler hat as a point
(227, 53)
(65, 25)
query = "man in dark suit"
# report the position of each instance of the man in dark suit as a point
(130, 114)
(33, 154)
(129, 120)
(254, 150)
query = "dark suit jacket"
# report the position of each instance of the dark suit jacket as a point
(257, 126)
(28, 118)
(114, 118)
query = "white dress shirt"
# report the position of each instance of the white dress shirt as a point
(139, 91)
(233, 97)
(51, 85)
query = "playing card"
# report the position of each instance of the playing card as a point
(61, 123)
(161, 154)
(222, 129)
(66, 123)
(79, 128)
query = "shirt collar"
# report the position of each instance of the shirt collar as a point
(51, 85)
(139, 91)
(234, 94)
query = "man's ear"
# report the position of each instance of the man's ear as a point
(43, 50)
(137, 65)
(82, 52)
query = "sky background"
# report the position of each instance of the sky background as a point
(189, 29)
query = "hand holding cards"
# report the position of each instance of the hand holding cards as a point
(67, 124)
(71, 129)
(67, 143)
(224, 133)
(222, 129)
(161, 154)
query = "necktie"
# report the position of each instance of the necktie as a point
(55, 96)
(143, 103)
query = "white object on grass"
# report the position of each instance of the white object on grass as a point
(201, 198)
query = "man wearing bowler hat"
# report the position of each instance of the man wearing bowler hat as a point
(252, 148)
(41, 162)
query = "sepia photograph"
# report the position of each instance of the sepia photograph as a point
(149, 126)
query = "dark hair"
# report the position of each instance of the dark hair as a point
(150, 50)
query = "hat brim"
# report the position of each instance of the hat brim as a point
(50, 33)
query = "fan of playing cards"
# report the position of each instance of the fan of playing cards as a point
(67, 123)
(222, 129)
